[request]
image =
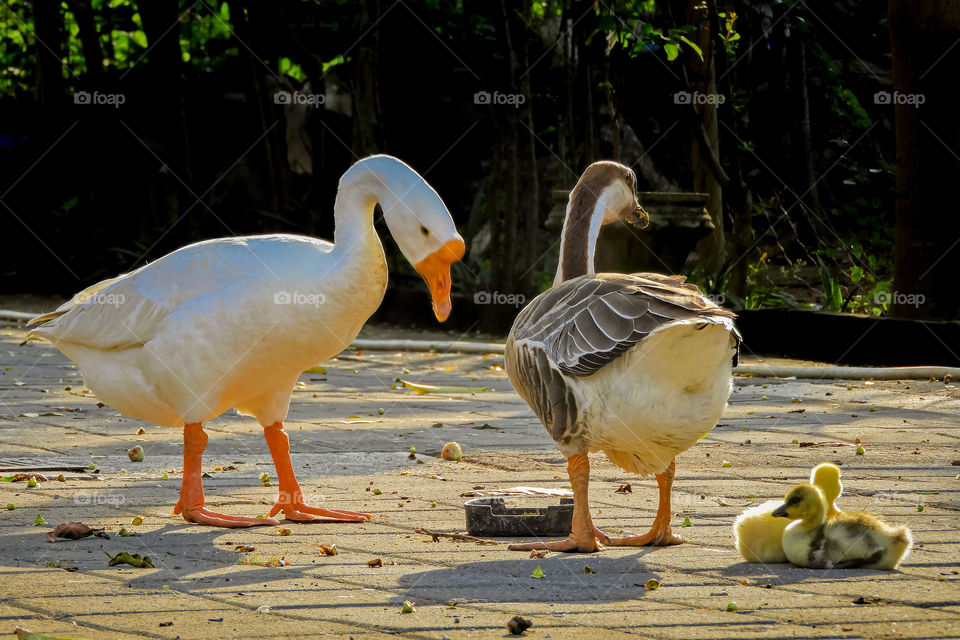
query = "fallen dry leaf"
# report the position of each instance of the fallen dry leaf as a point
(133, 560)
(429, 388)
(20, 477)
(272, 562)
(376, 562)
(328, 549)
(625, 488)
(436, 535)
(24, 634)
(539, 553)
(75, 531)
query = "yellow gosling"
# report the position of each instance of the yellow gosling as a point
(758, 533)
(849, 539)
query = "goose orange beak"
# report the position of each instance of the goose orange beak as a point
(435, 271)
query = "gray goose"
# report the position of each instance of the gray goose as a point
(637, 366)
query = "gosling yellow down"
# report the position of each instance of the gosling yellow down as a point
(849, 539)
(758, 533)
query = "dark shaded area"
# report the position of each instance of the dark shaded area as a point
(847, 339)
(131, 128)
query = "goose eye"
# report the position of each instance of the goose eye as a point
(424, 230)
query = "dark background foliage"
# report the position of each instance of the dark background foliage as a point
(799, 158)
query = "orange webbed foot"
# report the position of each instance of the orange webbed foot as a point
(190, 504)
(657, 537)
(571, 544)
(202, 515)
(291, 499)
(294, 508)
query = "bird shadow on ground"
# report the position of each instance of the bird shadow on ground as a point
(567, 577)
(787, 574)
(171, 552)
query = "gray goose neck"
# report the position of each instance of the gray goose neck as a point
(580, 230)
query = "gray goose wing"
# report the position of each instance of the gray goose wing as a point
(587, 322)
(580, 325)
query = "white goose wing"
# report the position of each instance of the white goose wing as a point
(587, 322)
(127, 311)
(111, 315)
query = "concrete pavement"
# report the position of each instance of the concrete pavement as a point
(343, 448)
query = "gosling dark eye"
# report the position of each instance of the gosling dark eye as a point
(424, 230)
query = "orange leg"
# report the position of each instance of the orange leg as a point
(660, 533)
(584, 535)
(191, 499)
(291, 499)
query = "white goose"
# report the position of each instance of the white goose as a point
(637, 366)
(231, 323)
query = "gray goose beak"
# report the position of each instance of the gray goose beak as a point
(638, 217)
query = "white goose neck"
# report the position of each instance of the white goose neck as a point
(353, 209)
(377, 179)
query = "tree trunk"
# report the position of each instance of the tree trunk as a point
(164, 60)
(509, 126)
(806, 136)
(705, 145)
(584, 57)
(738, 195)
(531, 199)
(922, 37)
(89, 38)
(365, 138)
(252, 22)
(48, 27)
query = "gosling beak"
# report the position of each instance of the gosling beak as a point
(435, 271)
(780, 512)
(638, 217)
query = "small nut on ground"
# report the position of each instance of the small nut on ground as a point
(517, 625)
(451, 451)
